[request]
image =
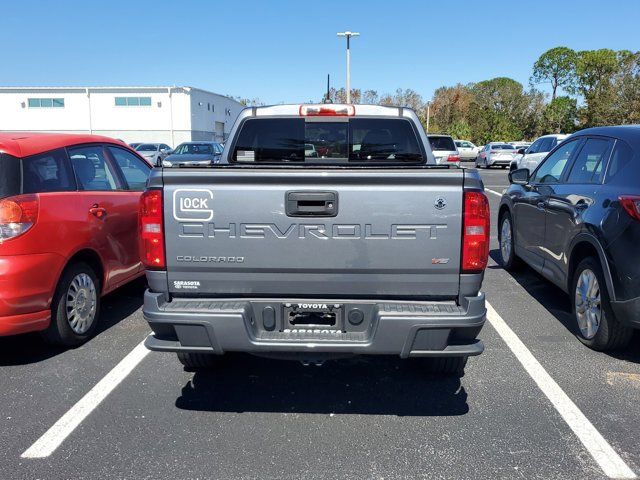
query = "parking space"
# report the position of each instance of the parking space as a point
(356, 418)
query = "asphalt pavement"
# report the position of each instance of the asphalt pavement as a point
(358, 418)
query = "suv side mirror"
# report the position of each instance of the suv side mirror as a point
(521, 151)
(519, 176)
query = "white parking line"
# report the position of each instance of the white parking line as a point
(53, 438)
(493, 191)
(610, 462)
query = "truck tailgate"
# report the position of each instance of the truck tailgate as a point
(313, 232)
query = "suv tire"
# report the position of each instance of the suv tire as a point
(75, 307)
(197, 361)
(609, 334)
(510, 261)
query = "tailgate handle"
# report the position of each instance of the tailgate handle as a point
(311, 204)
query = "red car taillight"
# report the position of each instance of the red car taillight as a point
(150, 229)
(453, 158)
(631, 204)
(17, 215)
(475, 232)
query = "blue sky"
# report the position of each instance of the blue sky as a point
(281, 51)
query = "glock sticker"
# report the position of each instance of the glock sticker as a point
(192, 204)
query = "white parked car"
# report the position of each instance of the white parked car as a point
(495, 154)
(467, 150)
(531, 157)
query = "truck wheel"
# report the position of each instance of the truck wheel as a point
(198, 361)
(506, 241)
(75, 307)
(446, 366)
(598, 327)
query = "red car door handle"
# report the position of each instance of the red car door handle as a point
(97, 211)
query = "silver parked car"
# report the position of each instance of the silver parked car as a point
(444, 149)
(467, 150)
(194, 154)
(154, 153)
(495, 154)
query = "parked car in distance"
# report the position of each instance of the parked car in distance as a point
(531, 157)
(154, 153)
(444, 149)
(194, 154)
(135, 145)
(576, 221)
(468, 151)
(68, 230)
(495, 154)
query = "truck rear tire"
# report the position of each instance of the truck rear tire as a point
(444, 366)
(198, 361)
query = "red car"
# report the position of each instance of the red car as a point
(68, 230)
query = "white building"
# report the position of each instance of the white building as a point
(134, 114)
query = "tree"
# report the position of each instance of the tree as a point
(555, 66)
(450, 110)
(595, 72)
(560, 116)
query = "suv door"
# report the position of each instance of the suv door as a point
(113, 227)
(569, 204)
(134, 173)
(530, 209)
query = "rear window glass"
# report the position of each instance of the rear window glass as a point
(9, 175)
(442, 144)
(355, 140)
(47, 172)
(147, 147)
(503, 146)
(620, 158)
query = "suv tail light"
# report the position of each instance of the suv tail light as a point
(327, 110)
(150, 230)
(453, 158)
(631, 204)
(475, 232)
(17, 215)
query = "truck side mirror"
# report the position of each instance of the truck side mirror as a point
(519, 176)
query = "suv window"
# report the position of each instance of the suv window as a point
(444, 144)
(362, 140)
(620, 158)
(534, 148)
(546, 145)
(134, 170)
(93, 173)
(551, 169)
(587, 166)
(47, 172)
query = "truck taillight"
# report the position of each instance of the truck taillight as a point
(475, 232)
(150, 230)
(631, 203)
(17, 215)
(327, 110)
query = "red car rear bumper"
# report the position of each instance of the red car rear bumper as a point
(27, 284)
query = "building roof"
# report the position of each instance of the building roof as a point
(24, 144)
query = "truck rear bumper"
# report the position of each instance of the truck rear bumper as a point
(415, 329)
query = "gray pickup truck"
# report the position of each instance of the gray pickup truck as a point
(359, 245)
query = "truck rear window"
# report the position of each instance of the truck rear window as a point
(385, 141)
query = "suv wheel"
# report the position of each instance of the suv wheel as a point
(597, 326)
(197, 361)
(505, 239)
(75, 307)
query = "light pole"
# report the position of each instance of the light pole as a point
(348, 35)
